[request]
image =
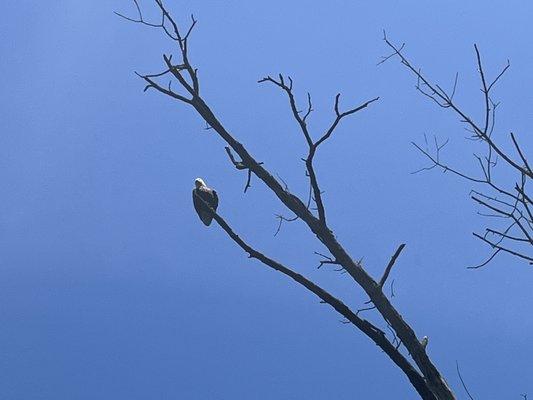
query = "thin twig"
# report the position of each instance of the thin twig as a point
(462, 381)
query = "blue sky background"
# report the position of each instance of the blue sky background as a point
(111, 288)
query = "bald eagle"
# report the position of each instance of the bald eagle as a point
(209, 196)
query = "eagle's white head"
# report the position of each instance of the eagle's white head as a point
(199, 182)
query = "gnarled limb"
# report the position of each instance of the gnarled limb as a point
(434, 386)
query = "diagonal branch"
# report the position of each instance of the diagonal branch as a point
(504, 249)
(437, 163)
(292, 101)
(391, 264)
(519, 150)
(404, 331)
(375, 334)
(340, 115)
(462, 381)
(432, 377)
(159, 88)
(240, 166)
(445, 101)
(505, 214)
(175, 35)
(521, 212)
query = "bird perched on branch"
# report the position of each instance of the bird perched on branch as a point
(424, 342)
(202, 197)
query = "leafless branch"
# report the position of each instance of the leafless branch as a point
(281, 220)
(519, 150)
(371, 331)
(326, 260)
(437, 163)
(516, 199)
(488, 260)
(462, 381)
(312, 145)
(340, 115)
(429, 382)
(391, 264)
(365, 309)
(240, 165)
(495, 246)
(445, 101)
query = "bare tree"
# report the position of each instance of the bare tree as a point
(413, 361)
(505, 201)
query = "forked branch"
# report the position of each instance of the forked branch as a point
(432, 385)
(375, 334)
(504, 200)
(311, 143)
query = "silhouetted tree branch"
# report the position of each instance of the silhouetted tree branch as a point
(428, 382)
(374, 333)
(313, 145)
(505, 200)
(391, 264)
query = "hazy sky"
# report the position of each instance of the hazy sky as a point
(110, 286)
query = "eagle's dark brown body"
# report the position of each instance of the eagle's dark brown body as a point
(209, 196)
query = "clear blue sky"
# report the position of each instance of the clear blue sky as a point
(111, 288)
